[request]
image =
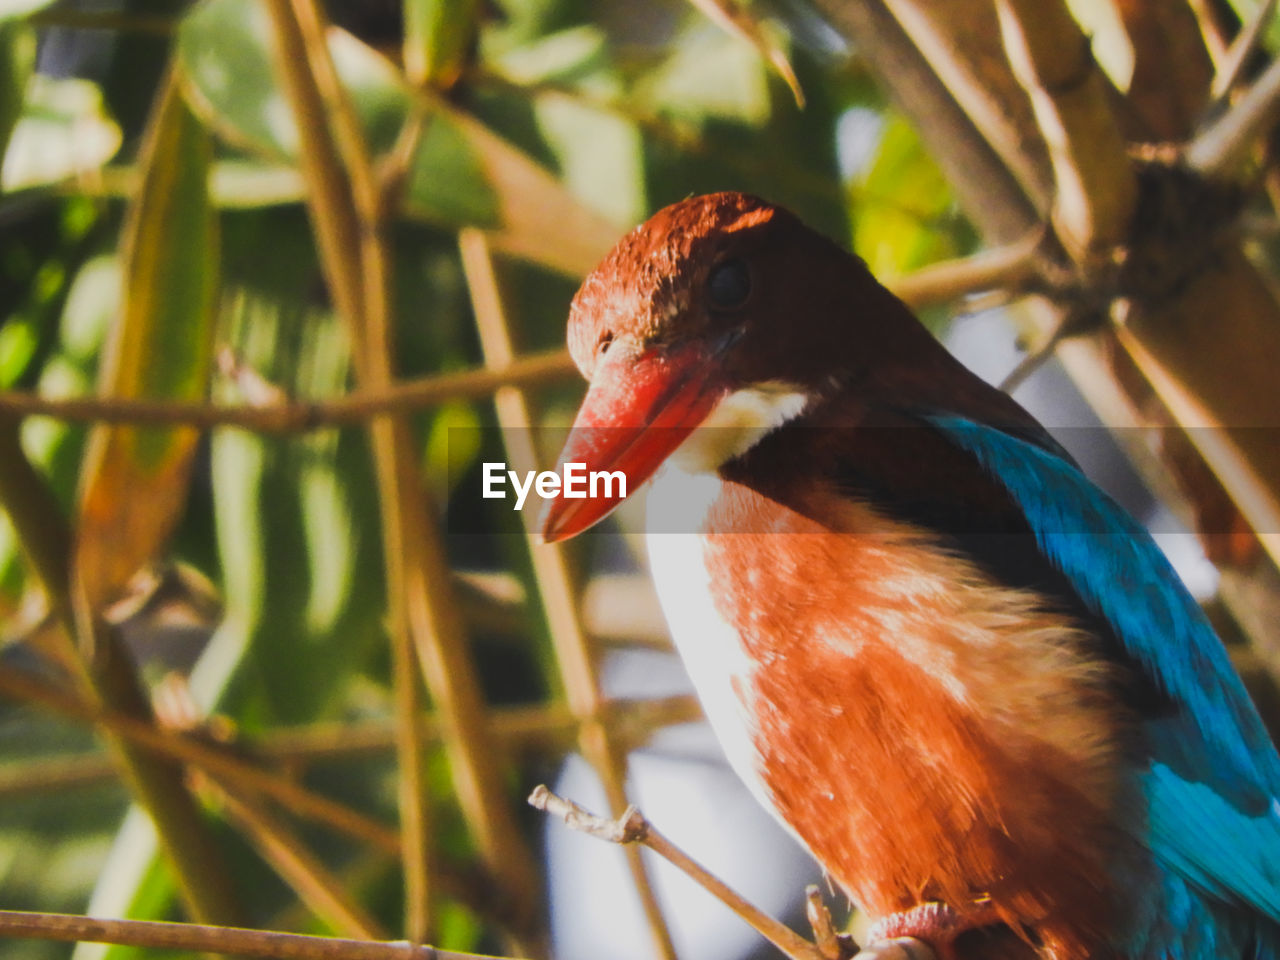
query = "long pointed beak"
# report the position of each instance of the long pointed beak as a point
(638, 410)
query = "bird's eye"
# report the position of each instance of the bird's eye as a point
(602, 347)
(729, 285)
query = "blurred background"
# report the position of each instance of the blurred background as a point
(278, 276)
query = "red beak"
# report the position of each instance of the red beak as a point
(638, 409)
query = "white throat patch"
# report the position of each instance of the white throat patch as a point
(737, 423)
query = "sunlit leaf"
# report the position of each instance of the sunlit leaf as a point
(63, 132)
(223, 48)
(535, 206)
(462, 172)
(135, 479)
(562, 56)
(901, 205)
(740, 20)
(244, 184)
(710, 75)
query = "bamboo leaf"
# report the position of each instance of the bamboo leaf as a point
(17, 57)
(134, 481)
(437, 35)
(462, 173)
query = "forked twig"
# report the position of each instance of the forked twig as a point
(1246, 42)
(632, 827)
(834, 946)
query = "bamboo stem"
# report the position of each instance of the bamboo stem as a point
(1215, 150)
(423, 610)
(550, 570)
(1096, 187)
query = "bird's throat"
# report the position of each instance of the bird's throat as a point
(737, 423)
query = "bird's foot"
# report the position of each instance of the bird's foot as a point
(937, 924)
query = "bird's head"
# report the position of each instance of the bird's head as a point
(711, 324)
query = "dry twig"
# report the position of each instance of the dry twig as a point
(199, 938)
(632, 827)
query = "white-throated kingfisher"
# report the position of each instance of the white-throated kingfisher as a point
(963, 676)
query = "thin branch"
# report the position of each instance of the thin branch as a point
(1216, 149)
(213, 760)
(348, 205)
(301, 869)
(1246, 42)
(199, 938)
(632, 827)
(1008, 268)
(824, 932)
(355, 408)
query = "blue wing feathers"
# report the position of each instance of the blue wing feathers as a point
(1214, 776)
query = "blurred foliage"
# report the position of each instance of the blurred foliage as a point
(555, 124)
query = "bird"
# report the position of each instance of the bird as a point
(955, 669)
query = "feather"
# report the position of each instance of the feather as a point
(1213, 775)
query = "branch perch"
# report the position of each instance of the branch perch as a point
(632, 827)
(194, 937)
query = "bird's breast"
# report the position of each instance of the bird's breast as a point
(927, 733)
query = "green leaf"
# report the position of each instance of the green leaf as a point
(437, 37)
(17, 57)
(462, 173)
(223, 48)
(297, 530)
(445, 182)
(900, 206)
(135, 479)
(710, 74)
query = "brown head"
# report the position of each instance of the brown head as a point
(724, 310)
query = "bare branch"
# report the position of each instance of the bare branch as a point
(200, 938)
(355, 408)
(824, 933)
(1222, 144)
(1246, 42)
(1008, 268)
(632, 827)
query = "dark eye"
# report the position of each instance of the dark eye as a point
(729, 285)
(602, 347)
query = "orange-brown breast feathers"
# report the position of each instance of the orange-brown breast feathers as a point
(928, 733)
